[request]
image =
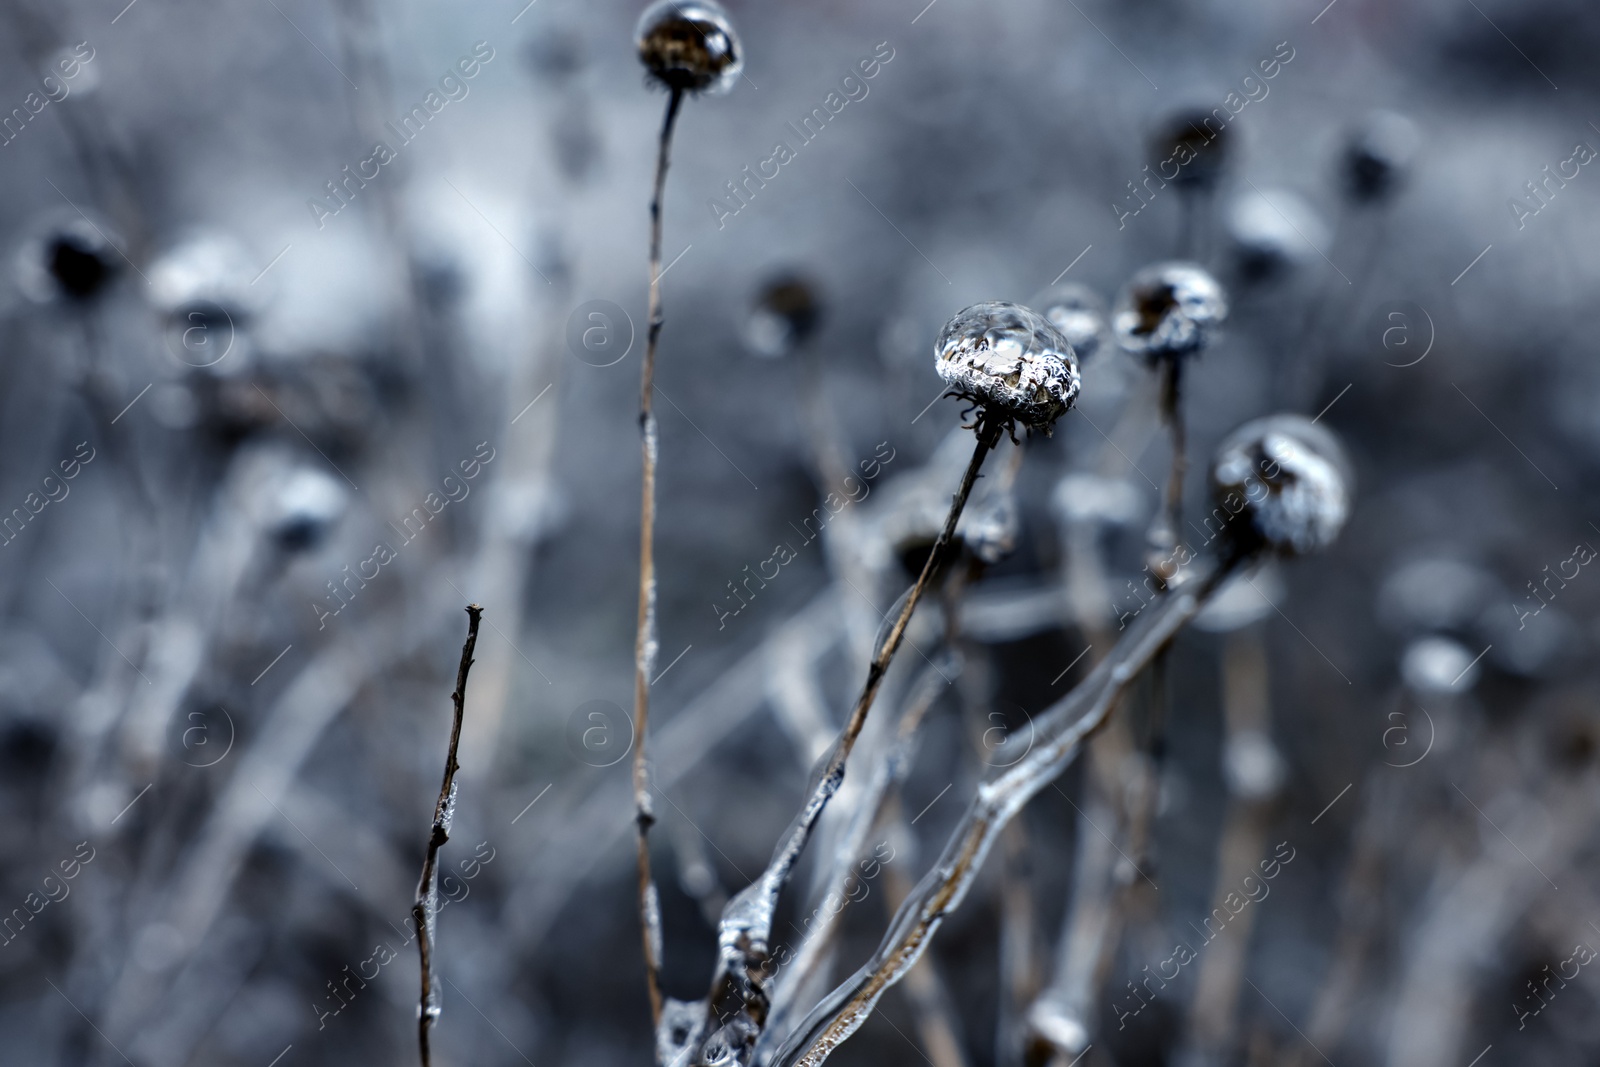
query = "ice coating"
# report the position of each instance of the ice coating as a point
(689, 46)
(1282, 482)
(1079, 313)
(1168, 309)
(1009, 360)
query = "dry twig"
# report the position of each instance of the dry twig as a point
(427, 903)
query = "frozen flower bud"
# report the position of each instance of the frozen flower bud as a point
(1273, 232)
(306, 505)
(68, 262)
(1379, 155)
(1281, 483)
(1438, 666)
(689, 46)
(1168, 309)
(1079, 313)
(1194, 142)
(785, 314)
(1009, 361)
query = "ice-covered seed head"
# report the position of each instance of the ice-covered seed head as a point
(1272, 234)
(1379, 154)
(1167, 310)
(1195, 144)
(1281, 483)
(1079, 313)
(689, 46)
(785, 314)
(1010, 361)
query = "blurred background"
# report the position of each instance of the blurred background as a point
(323, 320)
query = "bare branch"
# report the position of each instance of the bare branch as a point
(427, 902)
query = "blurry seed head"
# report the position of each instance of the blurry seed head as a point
(989, 529)
(305, 505)
(1379, 155)
(1434, 594)
(1281, 484)
(1437, 666)
(1009, 361)
(1252, 766)
(689, 46)
(1168, 310)
(72, 262)
(784, 315)
(1273, 232)
(558, 54)
(1196, 143)
(208, 267)
(1079, 313)
(1081, 497)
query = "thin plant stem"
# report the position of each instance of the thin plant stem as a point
(426, 905)
(1164, 535)
(746, 926)
(1062, 730)
(644, 650)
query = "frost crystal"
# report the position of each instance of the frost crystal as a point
(1009, 359)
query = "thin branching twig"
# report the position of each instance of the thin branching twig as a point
(427, 902)
(1062, 729)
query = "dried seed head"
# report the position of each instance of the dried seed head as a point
(1273, 232)
(1168, 310)
(1282, 483)
(1438, 666)
(785, 314)
(1194, 142)
(1079, 313)
(1009, 361)
(1378, 155)
(70, 262)
(689, 46)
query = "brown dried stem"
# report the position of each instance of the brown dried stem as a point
(426, 905)
(645, 640)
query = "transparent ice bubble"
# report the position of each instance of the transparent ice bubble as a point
(1168, 309)
(1437, 666)
(1079, 313)
(1010, 360)
(689, 46)
(1282, 483)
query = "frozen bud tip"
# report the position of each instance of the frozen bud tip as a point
(689, 46)
(1282, 483)
(1168, 309)
(1009, 361)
